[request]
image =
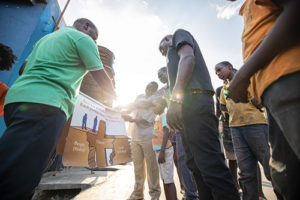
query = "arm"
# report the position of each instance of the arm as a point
(104, 81)
(223, 108)
(22, 68)
(161, 157)
(256, 103)
(218, 106)
(284, 34)
(138, 121)
(185, 70)
(141, 121)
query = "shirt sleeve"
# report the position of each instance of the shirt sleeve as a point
(89, 54)
(182, 37)
(222, 97)
(250, 92)
(164, 121)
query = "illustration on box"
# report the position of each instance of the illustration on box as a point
(97, 136)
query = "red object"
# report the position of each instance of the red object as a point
(3, 91)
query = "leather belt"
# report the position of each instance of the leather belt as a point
(199, 91)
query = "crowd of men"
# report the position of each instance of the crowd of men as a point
(39, 102)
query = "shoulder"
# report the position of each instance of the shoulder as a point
(182, 37)
(139, 97)
(182, 31)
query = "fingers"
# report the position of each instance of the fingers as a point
(178, 121)
(241, 97)
(175, 121)
(161, 160)
(174, 117)
(170, 120)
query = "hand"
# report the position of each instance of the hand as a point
(174, 116)
(161, 157)
(238, 88)
(256, 103)
(118, 108)
(127, 118)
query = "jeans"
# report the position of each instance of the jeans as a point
(282, 100)
(26, 146)
(203, 151)
(186, 174)
(251, 145)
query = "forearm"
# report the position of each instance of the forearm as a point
(185, 70)
(140, 121)
(218, 112)
(103, 80)
(284, 34)
(144, 103)
(223, 108)
(166, 136)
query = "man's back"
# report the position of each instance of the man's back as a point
(55, 69)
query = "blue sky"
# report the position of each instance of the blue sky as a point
(132, 29)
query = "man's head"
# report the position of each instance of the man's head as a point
(164, 44)
(224, 70)
(159, 105)
(86, 26)
(7, 58)
(151, 88)
(163, 75)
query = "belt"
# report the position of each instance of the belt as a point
(199, 91)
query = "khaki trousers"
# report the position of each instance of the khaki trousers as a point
(143, 151)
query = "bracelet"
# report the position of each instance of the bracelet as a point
(175, 100)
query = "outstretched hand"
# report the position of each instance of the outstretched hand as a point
(238, 88)
(127, 118)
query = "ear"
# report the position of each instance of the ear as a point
(230, 67)
(86, 26)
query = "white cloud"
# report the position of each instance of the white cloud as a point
(228, 11)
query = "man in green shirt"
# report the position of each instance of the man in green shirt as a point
(41, 100)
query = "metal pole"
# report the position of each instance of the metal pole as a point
(61, 15)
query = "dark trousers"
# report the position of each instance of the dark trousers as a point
(202, 148)
(282, 100)
(186, 174)
(250, 146)
(25, 147)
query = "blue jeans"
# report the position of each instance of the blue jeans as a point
(251, 145)
(26, 146)
(186, 174)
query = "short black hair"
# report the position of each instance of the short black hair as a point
(225, 64)
(167, 36)
(154, 83)
(162, 69)
(7, 58)
(82, 21)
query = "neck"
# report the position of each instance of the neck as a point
(231, 76)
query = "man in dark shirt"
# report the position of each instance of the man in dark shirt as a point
(191, 109)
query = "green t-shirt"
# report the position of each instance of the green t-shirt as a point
(55, 69)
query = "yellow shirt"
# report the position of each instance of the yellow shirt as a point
(242, 114)
(259, 18)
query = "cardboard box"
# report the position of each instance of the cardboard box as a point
(96, 136)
